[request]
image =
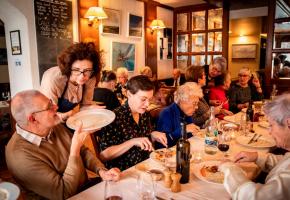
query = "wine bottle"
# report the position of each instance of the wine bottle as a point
(183, 155)
(250, 112)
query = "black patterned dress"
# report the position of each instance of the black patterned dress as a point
(121, 130)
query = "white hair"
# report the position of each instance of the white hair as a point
(122, 71)
(245, 70)
(279, 109)
(23, 104)
(186, 91)
(220, 62)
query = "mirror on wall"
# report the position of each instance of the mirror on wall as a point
(281, 65)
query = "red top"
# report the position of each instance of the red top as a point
(218, 93)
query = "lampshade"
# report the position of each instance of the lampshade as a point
(96, 12)
(157, 24)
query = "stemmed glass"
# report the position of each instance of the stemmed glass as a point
(224, 142)
(145, 186)
(113, 191)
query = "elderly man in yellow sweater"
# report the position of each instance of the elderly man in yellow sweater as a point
(43, 156)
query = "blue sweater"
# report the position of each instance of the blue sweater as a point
(169, 123)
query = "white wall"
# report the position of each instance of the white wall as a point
(125, 6)
(164, 67)
(17, 15)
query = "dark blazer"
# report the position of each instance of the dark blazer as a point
(106, 96)
(170, 81)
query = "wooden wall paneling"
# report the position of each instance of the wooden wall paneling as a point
(87, 33)
(150, 38)
(225, 32)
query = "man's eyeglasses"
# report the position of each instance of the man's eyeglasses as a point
(243, 75)
(49, 107)
(86, 72)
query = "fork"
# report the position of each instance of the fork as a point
(252, 139)
(257, 138)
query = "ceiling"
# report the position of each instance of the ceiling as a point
(234, 4)
(180, 3)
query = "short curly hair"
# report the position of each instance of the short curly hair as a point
(193, 73)
(79, 51)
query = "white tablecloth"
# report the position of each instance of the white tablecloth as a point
(195, 189)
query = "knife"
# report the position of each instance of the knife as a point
(252, 139)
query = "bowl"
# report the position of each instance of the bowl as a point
(156, 174)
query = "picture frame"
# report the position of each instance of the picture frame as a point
(15, 42)
(123, 54)
(244, 51)
(112, 25)
(135, 25)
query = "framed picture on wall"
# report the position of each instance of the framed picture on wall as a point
(112, 25)
(135, 25)
(15, 42)
(244, 50)
(123, 55)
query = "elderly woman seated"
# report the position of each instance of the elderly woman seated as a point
(104, 92)
(127, 141)
(244, 91)
(278, 180)
(185, 103)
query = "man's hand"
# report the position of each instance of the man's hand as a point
(78, 140)
(159, 137)
(143, 143)
(246, 157)
(113, 174)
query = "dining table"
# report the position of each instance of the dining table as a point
(197, 188)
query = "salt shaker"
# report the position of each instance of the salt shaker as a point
(175, 186)
(167, 178)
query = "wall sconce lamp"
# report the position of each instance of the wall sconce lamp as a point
(156, 24)
(95, 14)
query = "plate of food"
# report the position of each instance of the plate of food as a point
(208, 171)
(200, 134)
(259, 141)
(92, 119)
(9, 191)
(160, 155)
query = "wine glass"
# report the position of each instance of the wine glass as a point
(224, 143)
(113, 191)
(146, 186)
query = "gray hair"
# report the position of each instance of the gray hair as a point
(122, 71)
(186, 91)
(221, 62)
(279, 109)
(245, 70)
(23, 104)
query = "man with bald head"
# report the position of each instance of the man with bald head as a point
(43, 156)
(178, 78)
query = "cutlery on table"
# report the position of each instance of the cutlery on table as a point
(252, 139)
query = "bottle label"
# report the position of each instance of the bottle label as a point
(210, 141)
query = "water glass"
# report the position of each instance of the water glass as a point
(113, 191)
(197, 156)
(146, 186)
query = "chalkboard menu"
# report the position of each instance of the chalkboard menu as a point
(53, 21)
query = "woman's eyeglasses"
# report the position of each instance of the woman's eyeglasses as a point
(86, 72)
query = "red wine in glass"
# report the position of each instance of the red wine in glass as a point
(223, 147)
(114, 198)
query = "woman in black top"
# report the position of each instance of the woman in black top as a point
(104, 93)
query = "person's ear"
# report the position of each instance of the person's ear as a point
(288, 122)
(129, 94)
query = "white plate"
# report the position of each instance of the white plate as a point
(92, 119)
(12, 190)
(263, 141)
(200, 134)
(233, 118)
(264, 124)
(197, 168)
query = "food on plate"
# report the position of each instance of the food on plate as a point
(261, 142)
(3, 194)
(212, 174)
(161, 155)
(142, 167)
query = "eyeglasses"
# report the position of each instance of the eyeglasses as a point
(195, 103)
(86, 72)
(243, 75)
(49, 107)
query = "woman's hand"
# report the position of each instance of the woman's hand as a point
(159, 137)
(143, 142)
(246, 157)
(192, 128)
(226, 112)
(113, 174)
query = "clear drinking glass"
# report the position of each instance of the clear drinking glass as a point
(224, 140)
(146, 186)
(113, 191)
